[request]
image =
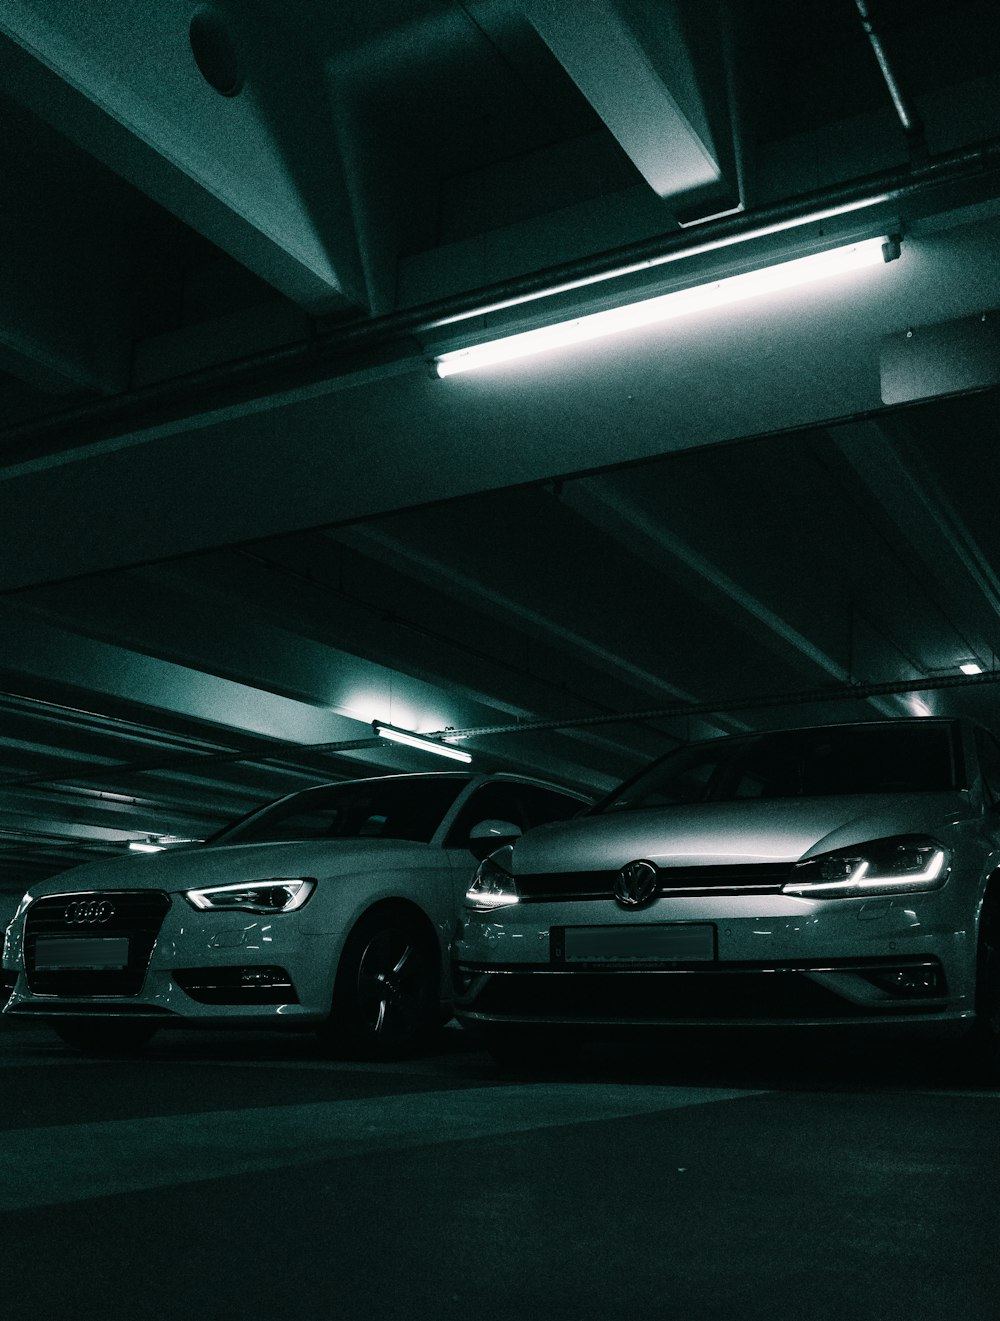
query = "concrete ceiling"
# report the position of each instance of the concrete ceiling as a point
(241, 516)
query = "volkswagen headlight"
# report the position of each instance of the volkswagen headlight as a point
(884, 866)
(280, 894)
(493, 886)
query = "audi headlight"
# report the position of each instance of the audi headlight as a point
(280, 894)
(26, 900)
(493, 886)
(883, 866)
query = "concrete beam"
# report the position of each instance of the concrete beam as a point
(636, 65)
(392, 437)
(193, 620)
(63, 314)
(936, 536)
(42, 650)
(651, 540)
(121, 81)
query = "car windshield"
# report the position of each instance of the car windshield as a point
(850, 759)
(404, 807)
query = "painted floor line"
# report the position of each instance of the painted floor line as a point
(73, 1162)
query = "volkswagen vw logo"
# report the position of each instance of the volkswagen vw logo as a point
(89, 912)
(636, 884)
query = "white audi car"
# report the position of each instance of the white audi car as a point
(331, 908)
(846, 875)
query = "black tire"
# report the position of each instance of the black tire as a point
(987, 1033)
(95, 1036)
(386, 1001)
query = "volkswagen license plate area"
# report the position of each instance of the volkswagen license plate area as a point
(81, 952)
(669, 942)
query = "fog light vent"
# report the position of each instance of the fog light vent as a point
(910, 983)
(251, 985)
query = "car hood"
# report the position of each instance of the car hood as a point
(184, 868)
(750, 831)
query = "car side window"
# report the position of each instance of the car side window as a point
(525, 805)
(989, 763)
(545, 805)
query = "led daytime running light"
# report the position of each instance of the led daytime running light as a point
(492, 886)
(253, 896)
(866, 879)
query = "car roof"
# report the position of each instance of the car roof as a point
(515, 777)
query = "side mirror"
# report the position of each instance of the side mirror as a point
(490, 835)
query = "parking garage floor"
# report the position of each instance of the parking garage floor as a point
(246, 1177)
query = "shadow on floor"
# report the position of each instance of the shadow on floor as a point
(768, 1059)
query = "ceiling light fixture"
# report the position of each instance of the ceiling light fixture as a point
(715, 244)
(970, 667)
(665, 307)
(157, 843)
(420, 741)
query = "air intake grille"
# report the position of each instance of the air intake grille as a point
(641, 997)
(92, 943)
(237, 986)
(738, 878)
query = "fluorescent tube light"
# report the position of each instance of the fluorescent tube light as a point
(418, 741)
(665, 307)
(664, 258)
(970, 667)
(156, 843)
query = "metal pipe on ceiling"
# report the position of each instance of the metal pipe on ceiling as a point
(345, 348)
(833, 693)
(907, 116)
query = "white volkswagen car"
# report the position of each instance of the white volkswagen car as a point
(332, 908)
(844, 875)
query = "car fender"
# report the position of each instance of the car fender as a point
(356, 894)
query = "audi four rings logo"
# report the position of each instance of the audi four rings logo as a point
(89, 912)
(636, 884)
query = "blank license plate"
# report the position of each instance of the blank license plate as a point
(681, 943)
(82, 952)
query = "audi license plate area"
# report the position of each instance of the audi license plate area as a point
(81, 952)
(679, 942)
